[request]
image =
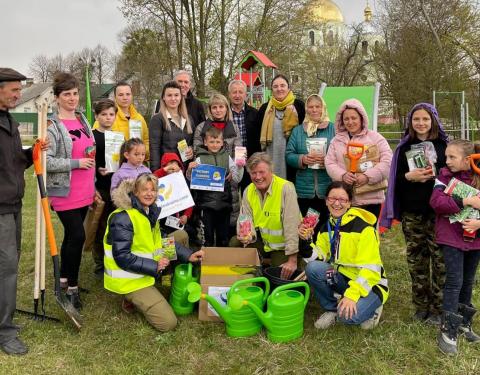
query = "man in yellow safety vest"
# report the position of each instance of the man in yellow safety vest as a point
(270, 202)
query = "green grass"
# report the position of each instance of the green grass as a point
(115, 343)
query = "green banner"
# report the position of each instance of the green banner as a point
(335, 96)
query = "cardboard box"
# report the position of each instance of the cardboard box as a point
(218, 270)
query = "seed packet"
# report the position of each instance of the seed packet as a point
(168, 248)
(311, 218)
(135, 128)
(182, 149)
(422, 155)
(245, 226)
(240, 156)
(459, 190)
(113, 142)
(318, 145)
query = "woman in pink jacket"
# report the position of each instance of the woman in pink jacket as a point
(351, 125)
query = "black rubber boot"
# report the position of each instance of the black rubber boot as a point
(466, 327)
(447, 337)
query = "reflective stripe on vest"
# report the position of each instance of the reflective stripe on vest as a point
(268, 219)
(108, 254)
(146, 243)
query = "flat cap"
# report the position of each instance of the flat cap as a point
(9, 75)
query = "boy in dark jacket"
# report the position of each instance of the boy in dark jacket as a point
(216, 205)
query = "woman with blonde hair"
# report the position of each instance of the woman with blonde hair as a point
(170, 126)
(306, 150)
(219, 115)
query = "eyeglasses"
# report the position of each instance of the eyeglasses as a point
(340, 200)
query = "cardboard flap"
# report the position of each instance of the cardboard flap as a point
(215, 256)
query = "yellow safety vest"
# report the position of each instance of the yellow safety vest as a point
(146, 243)
(268, 219)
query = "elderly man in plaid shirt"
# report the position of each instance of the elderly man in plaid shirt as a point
(244, 116)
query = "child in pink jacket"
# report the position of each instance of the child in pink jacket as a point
(351, 125)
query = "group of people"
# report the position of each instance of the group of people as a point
(297, 160)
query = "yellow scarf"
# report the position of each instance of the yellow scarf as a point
(290, 118)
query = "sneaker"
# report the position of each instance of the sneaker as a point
(14, 347)
(420, 316)
(327, 319)
(64, 284)
(434, 319)
(128, 307)
(73, 295)
(374, 320)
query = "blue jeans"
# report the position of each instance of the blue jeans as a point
(461, 267)
(324, 293)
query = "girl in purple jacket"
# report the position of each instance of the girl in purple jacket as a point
(461, 252)
(132, 156)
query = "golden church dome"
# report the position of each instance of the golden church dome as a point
(325, 11)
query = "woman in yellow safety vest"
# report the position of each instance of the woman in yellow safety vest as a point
(348, 278)
(133, 259)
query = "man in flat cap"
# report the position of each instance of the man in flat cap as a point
(13, 161)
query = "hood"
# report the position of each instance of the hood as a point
(168, 157)
(391, 209)
(123, 198)
(121, 195)
(131, 109)
(433, 111)
(446, 175)
(79, 115)
(350, 104)
(353, 212)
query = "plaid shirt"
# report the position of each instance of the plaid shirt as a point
(239, 120)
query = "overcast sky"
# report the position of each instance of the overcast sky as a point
(49, 27)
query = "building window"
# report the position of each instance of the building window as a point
(364, 48)
(311, 35)
(330, 38)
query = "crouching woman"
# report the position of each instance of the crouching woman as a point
(132, 260)
(348, 279)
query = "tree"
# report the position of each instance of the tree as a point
(419, 53)
(39, 68)
(202, 35)
(143, 57)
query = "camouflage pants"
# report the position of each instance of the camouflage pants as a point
(425, 262)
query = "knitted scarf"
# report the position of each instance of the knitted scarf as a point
(220, 125)
(290, 118)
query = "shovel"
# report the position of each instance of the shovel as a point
(354, 152)
(62, 301)
(474, 158)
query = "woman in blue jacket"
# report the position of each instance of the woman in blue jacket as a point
(306, 154)
(132, 259)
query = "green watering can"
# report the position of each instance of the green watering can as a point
(183, 275)
(284, 316)
(242, 321)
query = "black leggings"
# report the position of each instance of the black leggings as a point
(216, 224)
(73, 239)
